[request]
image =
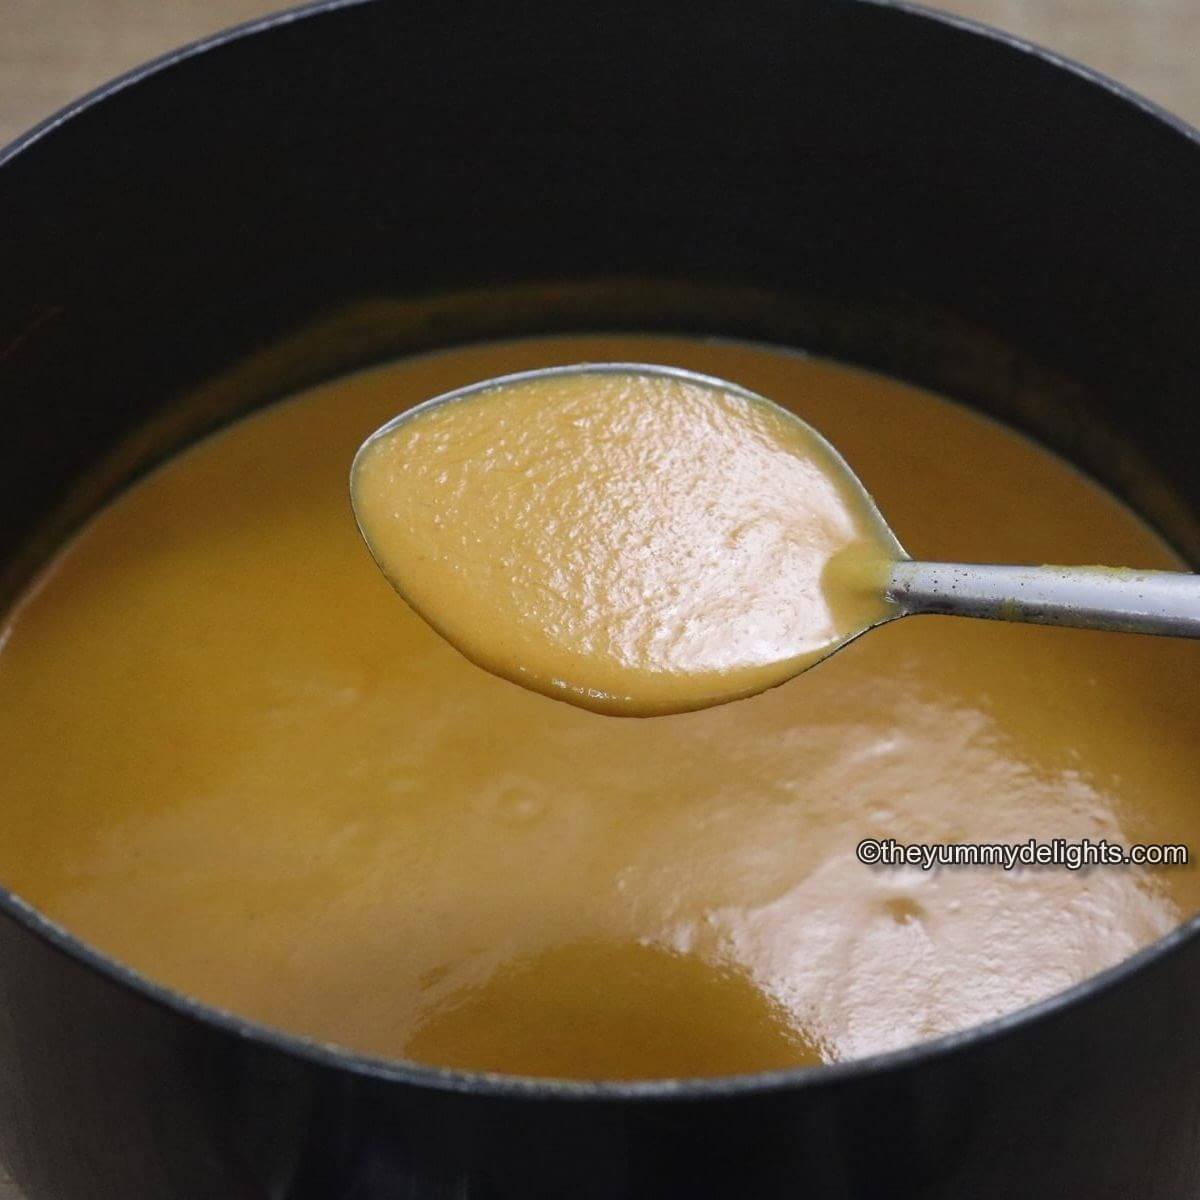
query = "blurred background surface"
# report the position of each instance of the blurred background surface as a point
(53, 51)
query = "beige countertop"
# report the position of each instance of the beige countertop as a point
(52, 51)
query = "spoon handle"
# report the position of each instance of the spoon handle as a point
(1160, 602)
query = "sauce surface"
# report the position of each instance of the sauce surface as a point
(235, 761)
(634, 542)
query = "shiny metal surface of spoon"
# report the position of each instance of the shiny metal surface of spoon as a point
(1166, 603)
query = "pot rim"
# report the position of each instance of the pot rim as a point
(328, 1055)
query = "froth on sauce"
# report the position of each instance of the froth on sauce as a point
(235, 761)
(632, 541)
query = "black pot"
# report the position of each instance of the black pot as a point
(873, 182)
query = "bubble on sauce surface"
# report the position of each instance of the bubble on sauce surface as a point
(512, 802)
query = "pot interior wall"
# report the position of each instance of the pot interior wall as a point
(933, 349)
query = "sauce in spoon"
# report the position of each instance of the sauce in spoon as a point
(634, 539)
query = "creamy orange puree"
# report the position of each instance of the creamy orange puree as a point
(234, 760)
(633, 542)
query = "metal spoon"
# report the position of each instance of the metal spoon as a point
(1086, 597)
